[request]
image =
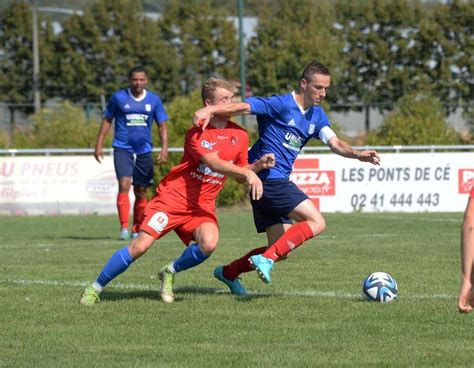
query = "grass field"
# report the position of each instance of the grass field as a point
(311, 314)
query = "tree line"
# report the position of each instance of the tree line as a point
(377, 50)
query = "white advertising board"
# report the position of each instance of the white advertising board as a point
(405, 182)
(57, 185)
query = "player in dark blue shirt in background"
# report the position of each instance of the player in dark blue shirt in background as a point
(134, 110)
(285, 124)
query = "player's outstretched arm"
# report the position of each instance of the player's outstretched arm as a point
(242, 174)
(103, 130)
(466, 296)
(344, 149)
(204, 115)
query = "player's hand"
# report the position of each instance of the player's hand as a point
(255, 185)
(99, 154)
(370, 156)
(162, 157)
(202, 117)
(267, 161)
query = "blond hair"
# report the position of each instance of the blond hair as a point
(212, 84)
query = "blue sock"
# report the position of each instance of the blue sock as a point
(117, 264)
(191, 257)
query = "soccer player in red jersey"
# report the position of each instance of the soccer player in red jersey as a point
(186, 198)
(466, 295)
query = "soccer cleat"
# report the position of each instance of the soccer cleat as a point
(166, 288)
(124, 234)
(234, 285)
(90, 296)
(263, 266)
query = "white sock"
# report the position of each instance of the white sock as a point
(97, 286)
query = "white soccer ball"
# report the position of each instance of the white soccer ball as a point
(380, 287)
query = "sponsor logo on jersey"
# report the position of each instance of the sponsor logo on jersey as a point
(293, 142)
(127, 106)
(292, 122)
(222, 137)
(136, 119)
(158, 221)
(208, 145)
(147, 107)
(204, 169)
(204, 174)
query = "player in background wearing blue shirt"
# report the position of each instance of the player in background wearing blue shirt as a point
(285, 124)
(134, 110)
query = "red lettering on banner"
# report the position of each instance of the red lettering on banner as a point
(53, 169)
(7, 169)
(465, 180)
(315, 183)
(312, 181)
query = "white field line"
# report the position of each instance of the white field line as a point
(160, 242)
(417, 218)
(143, 287)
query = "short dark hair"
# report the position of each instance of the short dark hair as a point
(312, 68)
(136, 69)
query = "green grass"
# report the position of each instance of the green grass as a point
(310, 315)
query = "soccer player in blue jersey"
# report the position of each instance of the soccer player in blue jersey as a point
(285, 124)
(134, 110)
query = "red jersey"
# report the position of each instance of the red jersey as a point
(191, 185)
(472, 192)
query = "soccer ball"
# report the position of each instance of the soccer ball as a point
(380, 287)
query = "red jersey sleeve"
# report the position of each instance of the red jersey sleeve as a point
(197, 145)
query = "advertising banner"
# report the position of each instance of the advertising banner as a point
(404, 182)
(56, 185)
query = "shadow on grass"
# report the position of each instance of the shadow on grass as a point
(180, 294)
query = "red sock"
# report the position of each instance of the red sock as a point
(138, 213)
(293, 238)
(241, 265)
(123, 207)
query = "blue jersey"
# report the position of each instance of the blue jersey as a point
(134, 119)
(283, 129)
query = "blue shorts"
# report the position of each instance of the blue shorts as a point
(280, 197)
(140, 167)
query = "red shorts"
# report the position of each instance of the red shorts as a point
(159, 219)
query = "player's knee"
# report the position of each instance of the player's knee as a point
(138, 248)
(208, 246)
(317, 225)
